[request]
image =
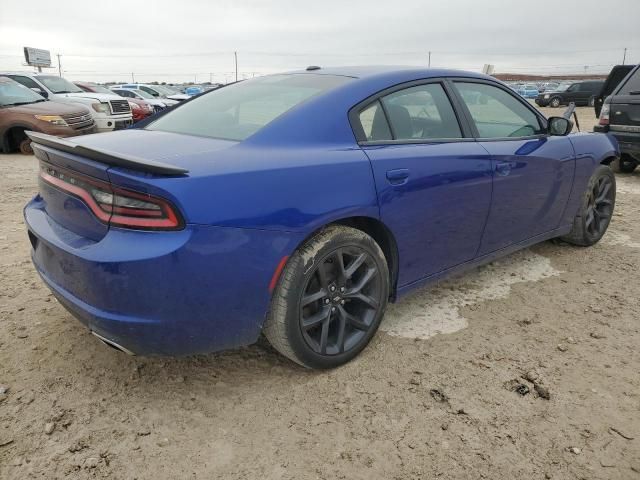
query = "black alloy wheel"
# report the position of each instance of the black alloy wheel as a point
(340, 301)
(598, 201)
(330, 298)
(599, 206)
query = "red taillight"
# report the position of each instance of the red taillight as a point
(604, 115)
(113, 205)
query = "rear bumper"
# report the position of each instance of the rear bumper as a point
(197, 290)
(628, 142)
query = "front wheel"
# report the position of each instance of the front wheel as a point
(330, 298)
(554, 102)
(598, 202)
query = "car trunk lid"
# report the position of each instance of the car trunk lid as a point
(78, 175)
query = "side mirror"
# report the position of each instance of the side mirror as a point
(559, 126)
(39, 91)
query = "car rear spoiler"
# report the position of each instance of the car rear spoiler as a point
(104, 156)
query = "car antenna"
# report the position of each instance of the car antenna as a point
(571, 110)
(311, 68)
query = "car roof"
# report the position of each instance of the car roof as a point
(394, 71)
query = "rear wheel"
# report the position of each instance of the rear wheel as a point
(598, 202)
(554, 102)
(625, 164)
(591, 102)
(330, 298)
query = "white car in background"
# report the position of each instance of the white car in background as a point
(110, 112)
(157, 91)
(157, 103)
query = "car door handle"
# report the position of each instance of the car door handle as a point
(503, 168)
(398, 176)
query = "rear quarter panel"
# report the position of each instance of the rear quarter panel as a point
(297, 188)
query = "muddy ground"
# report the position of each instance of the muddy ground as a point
(415, 404)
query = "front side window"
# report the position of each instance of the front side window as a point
(496, 113)
(237, 111)
(26, 81)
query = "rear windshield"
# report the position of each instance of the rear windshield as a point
(237, 111)
(632, 84)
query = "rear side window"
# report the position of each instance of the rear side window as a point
(421, 112)
(237, 111)
(632, 84)
(496, 113)
(374, 123)
(416, 113)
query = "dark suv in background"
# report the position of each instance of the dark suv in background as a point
(620, 116)
(580, 93)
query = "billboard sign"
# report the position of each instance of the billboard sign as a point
(37, 57)
(488, 69)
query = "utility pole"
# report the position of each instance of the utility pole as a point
(59, 65)
(133, 80)
(210, 77)
(624, 56)
(429, 59)
(235, 56)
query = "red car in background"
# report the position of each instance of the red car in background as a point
(139, 108)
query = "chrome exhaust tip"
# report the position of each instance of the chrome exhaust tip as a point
(112, 344)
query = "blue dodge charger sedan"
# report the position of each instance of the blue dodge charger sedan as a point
(298, 205)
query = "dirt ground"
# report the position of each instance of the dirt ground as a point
(553, 321)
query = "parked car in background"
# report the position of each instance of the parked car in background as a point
(139, 108)
(109, 111)
(193, 90)
(158, 104)
(294, 206)
(22, 109)
(528, 90)
(548, 86)
(620, 117)
(579, 93)
(616, 75)
(156, 91)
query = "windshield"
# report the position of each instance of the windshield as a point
(100, 89)
(562, 88)
(59, 85)
(163, 90)
(143, 94)
(14, 93)
(237, 111)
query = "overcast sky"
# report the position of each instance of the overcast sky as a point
(191, 40)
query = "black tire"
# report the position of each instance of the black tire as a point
(555, 102)
(344, 319)
(625, 164)
(591, 102)
(596, 208)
